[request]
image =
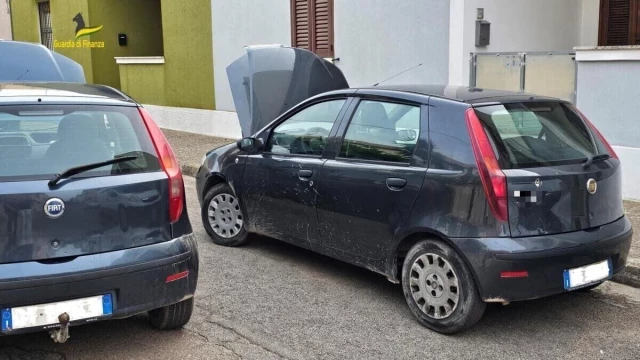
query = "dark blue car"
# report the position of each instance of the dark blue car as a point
(464, 195)
(93, 220)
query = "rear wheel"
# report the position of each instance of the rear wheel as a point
(173, 316)
(440, 289)
(222, 217)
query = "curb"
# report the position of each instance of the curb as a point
(629, 276)
(189, 170)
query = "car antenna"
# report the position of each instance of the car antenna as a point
(25, 73)
(398, 74)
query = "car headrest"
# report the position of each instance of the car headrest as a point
(78, 127)
(374, 114)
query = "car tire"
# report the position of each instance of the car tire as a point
(220, 223)
(173, 316)
(440, 289)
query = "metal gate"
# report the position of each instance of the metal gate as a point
(543, 73)
(46, 33)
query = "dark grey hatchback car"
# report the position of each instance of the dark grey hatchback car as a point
(93, 222)
(464, 195)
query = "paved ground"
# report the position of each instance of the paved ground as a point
(270, 300)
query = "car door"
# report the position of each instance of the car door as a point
(280, 182)
(367, 191)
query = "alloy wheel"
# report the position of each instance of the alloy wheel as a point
(224, 215)
(434, 286)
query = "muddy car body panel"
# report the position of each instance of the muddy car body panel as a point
(521, 187)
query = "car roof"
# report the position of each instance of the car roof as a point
(465, 94)
(62, 92)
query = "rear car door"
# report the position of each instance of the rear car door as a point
(561, 174)
(280, 182)
(368, 190)
(113, 207)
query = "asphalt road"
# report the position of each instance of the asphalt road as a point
(270, 300)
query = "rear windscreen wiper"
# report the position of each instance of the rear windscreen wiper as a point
(80, 169)
(595, 158)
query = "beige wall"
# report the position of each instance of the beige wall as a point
(5, 21)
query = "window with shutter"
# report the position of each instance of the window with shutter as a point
(312, 26)
(619, 22)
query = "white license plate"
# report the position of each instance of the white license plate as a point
(45, 315)
(586, 275)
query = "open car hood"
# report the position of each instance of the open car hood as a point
(269, 80)
(29, 62)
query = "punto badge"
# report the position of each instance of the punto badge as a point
(54, 208)
(537, 182)
(592, 186)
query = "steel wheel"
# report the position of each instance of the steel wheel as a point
(434, 286)
(224, 215)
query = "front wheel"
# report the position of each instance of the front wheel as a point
(173, 316)
(222, 217)
(440, 289)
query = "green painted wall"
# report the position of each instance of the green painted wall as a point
(183, 36)
(64, 29)
(144, 82)
(186, 29)
(140, 20)
(24, 21)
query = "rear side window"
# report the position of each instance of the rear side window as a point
(382, 131)
(536, 134)
(38, 141)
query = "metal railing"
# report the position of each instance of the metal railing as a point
(549, 73)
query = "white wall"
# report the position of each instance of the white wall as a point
(520, 25)
(5, 21)
(205, 122)
(239, 23)
(589, 22)
(376, 39)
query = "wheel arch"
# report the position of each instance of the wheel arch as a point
(213, 180)
(396, 260)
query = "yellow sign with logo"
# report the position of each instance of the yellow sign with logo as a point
(81, 30)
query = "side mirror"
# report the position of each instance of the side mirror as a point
(249, 144)
(406, 135)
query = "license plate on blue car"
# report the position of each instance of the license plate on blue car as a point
(586, 275)
(45, 315)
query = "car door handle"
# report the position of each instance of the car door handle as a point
(396, 183)
(305, 174)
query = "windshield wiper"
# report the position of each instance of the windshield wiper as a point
(80, 169)
(595, 158)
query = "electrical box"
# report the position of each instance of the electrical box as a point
(483, 32)
(122, 39)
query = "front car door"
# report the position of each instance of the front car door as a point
(368, 190)
(280, 182)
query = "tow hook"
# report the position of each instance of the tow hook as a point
(61, 335)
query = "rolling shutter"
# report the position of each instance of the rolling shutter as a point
(618, 23)
(312, 26)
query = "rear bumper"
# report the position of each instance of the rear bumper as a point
(544, 257)
(136, 279)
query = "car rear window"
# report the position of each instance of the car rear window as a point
(39, 141)
(537, 134)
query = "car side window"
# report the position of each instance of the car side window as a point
(306, 132)
(382, 131)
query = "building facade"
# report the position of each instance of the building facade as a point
(5, 21)
(177, 53)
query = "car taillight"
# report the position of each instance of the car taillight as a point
(169, 164)
(599, 134)
(493, 179)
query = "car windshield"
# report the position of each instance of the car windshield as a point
(37, 141)
(537, 134)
